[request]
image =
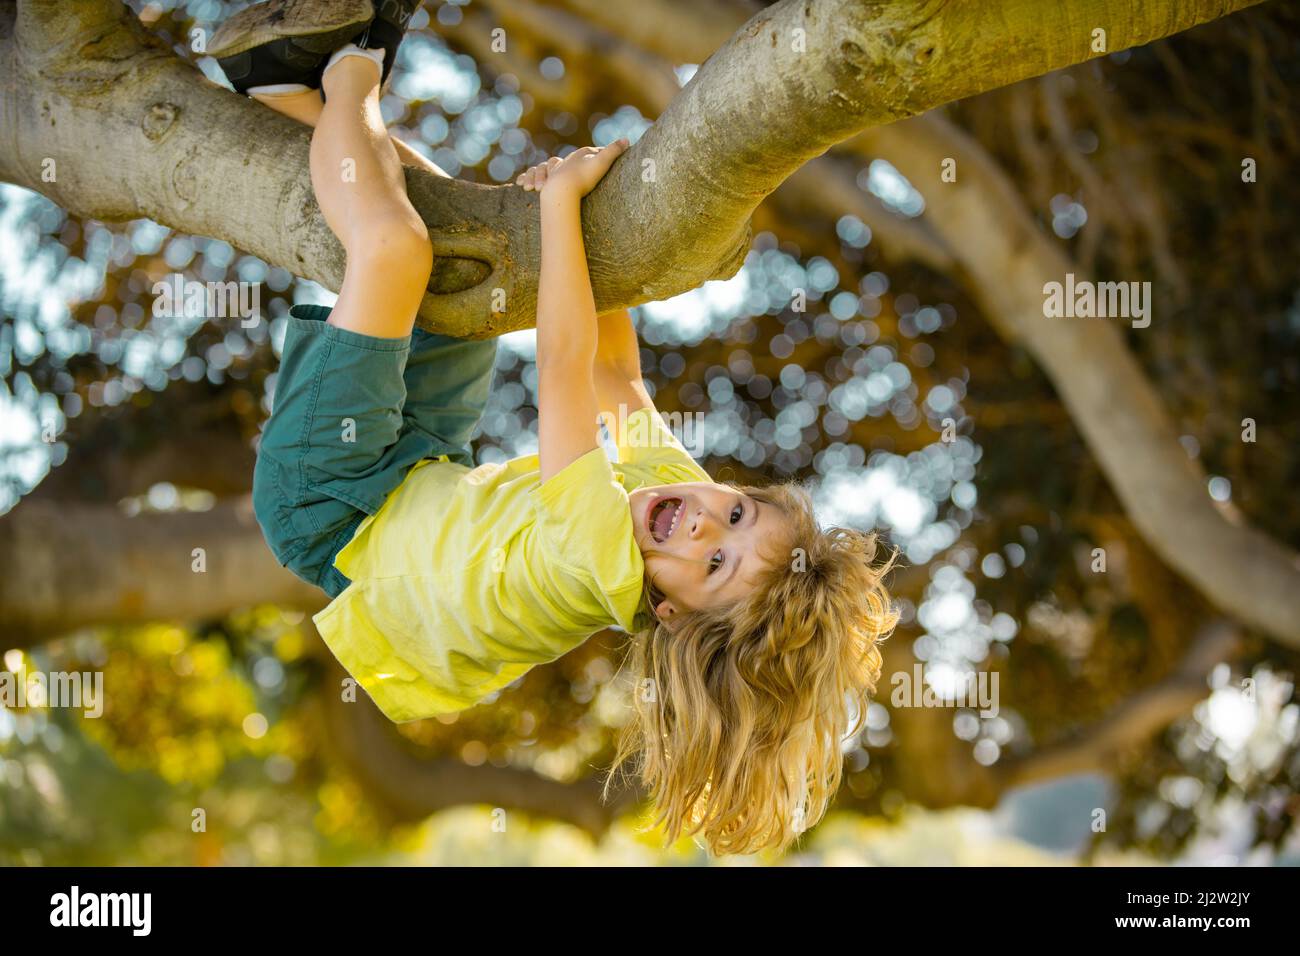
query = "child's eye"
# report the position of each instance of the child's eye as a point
(715, 562)
(737, 513)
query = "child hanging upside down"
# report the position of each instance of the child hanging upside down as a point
(755, 630)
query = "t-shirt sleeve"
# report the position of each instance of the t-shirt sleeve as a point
(644, 438)
(585, 523)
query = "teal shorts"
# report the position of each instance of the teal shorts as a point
(352, 414)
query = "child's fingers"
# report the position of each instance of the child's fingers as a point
(531, 178)
(611, 151)
(536, 177)
(606, 155)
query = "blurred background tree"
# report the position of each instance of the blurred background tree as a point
(127, 442)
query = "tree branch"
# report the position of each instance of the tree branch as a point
(184, 439)
(66, 565)
(134, 131)
(935, 769)
(822, 188)
(1139, 718)
(408, 787)
(1241, 570)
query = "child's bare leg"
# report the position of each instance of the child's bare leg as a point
(306, 107)
(361, 190)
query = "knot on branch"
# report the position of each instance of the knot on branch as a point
(158, 119)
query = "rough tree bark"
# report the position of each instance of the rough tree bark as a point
(134, 131)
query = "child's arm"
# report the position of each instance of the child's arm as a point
(566, 311)
(617, 370)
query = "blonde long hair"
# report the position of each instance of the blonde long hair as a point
(740, 711)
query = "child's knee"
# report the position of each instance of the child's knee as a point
(398, 245)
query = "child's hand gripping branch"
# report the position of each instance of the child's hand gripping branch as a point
(573, 175)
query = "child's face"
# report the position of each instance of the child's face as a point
(701, 542)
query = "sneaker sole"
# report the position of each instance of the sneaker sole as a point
(332, 21)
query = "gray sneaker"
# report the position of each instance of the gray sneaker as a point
(387, 29)
(287, 41)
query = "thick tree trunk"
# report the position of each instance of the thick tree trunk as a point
(134, 131)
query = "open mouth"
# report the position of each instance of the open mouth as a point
(663, 517)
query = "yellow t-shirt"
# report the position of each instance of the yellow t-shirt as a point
(467, 579)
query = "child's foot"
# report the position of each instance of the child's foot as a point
(387, 29)
(284, 44)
